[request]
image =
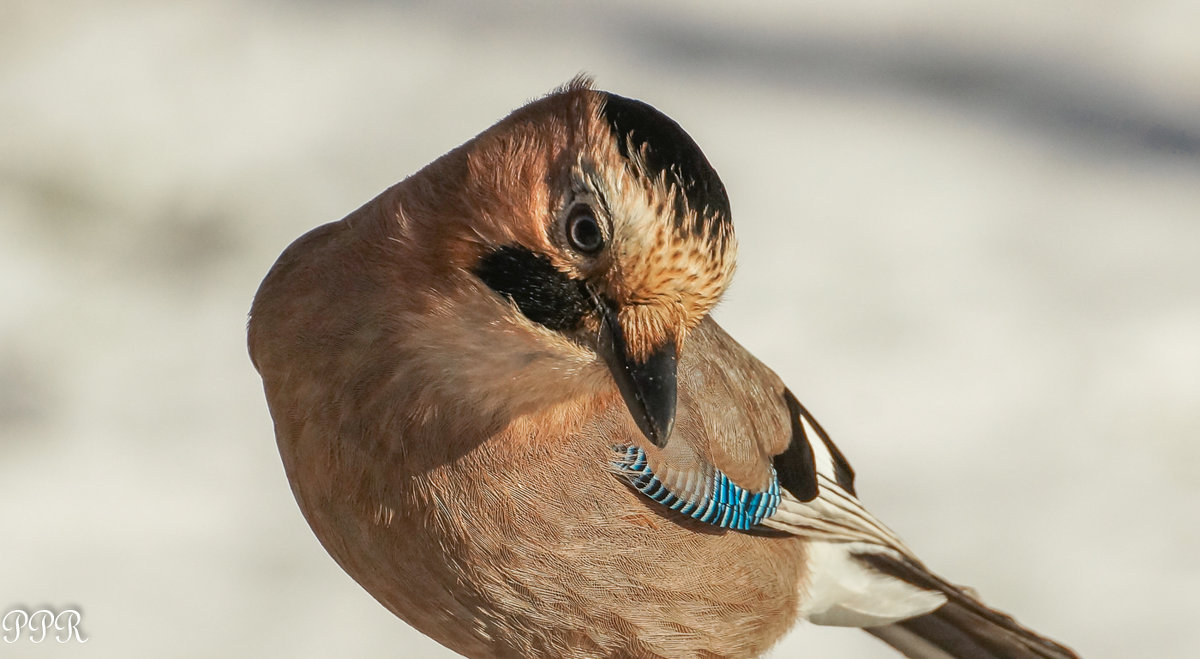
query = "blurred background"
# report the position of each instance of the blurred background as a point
(970, 242)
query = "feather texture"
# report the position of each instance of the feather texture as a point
(447, 418)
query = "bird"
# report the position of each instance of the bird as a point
(504, 409)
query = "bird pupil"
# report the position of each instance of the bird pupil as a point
(585, 232)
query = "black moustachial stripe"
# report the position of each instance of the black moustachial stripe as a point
(670, 150)
(796, 466)
(542, 292)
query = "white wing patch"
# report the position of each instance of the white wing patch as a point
(844, 592)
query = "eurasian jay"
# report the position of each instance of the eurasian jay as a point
(504, 410)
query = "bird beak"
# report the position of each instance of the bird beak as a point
(648, 386)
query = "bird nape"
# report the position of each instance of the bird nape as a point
(504, 410)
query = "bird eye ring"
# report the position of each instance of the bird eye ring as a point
(583, 231)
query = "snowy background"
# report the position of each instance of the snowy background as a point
(970, 243)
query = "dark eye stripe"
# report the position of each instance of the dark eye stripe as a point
(544, 294)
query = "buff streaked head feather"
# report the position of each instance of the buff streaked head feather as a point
(657, 211)
(676, 238)
(672, 249)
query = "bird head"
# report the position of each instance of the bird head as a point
(598, 219)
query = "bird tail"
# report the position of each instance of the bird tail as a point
(962, 628)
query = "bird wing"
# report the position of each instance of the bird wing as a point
(745, 454)
(847, 543)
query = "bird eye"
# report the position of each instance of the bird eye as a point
(583, 231)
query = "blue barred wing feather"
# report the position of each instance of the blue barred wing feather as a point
(710, 497)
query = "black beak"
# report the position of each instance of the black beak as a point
(648, 386)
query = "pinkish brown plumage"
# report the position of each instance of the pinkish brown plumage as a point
(456, 369)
